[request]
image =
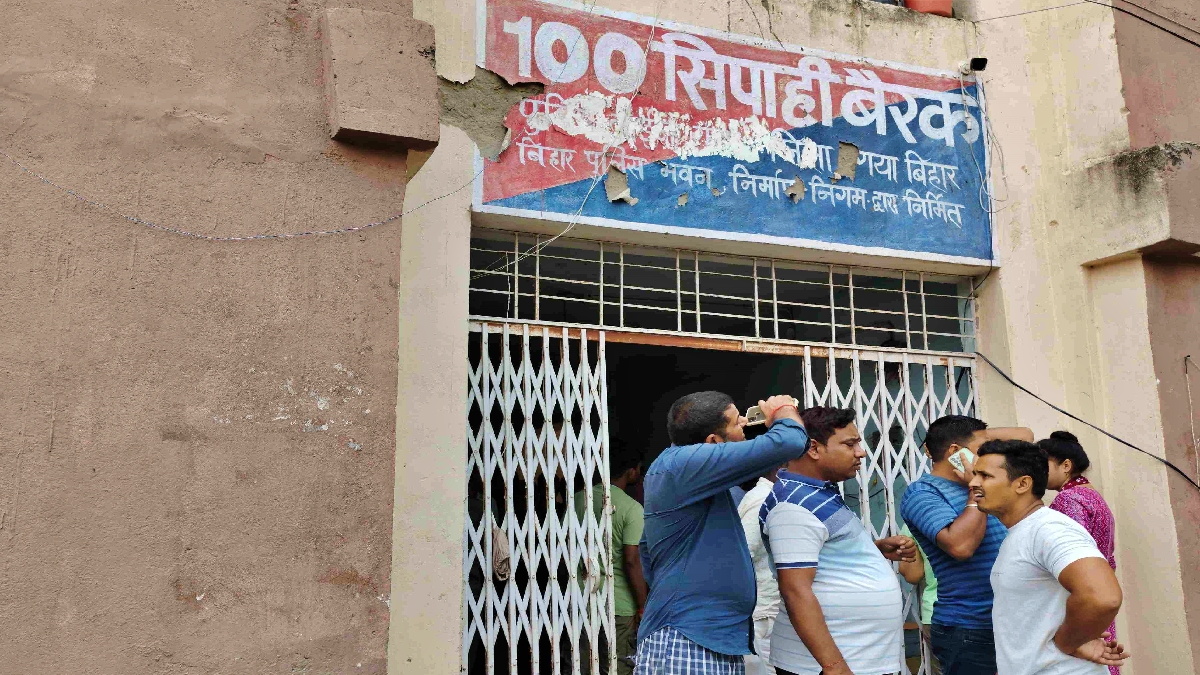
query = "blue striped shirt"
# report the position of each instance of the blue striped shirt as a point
(806, 524)
(964, 587)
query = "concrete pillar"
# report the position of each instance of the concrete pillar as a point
(427, 523)
(453, 22)
(1173, 301)
(1148, 564)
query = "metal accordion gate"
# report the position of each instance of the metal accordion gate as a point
(538, 437)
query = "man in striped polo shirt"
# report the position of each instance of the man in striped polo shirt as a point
(961, 543)
(843, 609)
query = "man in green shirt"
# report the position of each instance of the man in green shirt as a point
(629, 585)
(919, 573)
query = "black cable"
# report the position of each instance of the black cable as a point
(1064, 412)
(975, 291)
(1112, 7)
(1139, 17)
(1032, 11)
(1161, 16)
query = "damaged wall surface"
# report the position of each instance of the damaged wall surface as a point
(196, 453)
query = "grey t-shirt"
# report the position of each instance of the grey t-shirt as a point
(1030, 604)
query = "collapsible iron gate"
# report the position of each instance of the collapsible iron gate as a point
(538, 435)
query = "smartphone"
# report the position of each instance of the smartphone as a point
(956, 460)
(754, 416)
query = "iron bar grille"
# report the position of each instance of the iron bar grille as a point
(587, 283)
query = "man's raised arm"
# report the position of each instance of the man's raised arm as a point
(710, 468)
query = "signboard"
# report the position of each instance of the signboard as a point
(732, 137)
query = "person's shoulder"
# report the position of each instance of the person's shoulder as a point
(922, 488)
(1049, 518)
(620, 498)
(1060, 499)
(754, 499)
(1072, 496)
(764, 484)
(920, 485)
(790, 490)
(663, 461)
(1055, 540)
(787, 514)
(1046, 525)
(626, 509)
(778, 493)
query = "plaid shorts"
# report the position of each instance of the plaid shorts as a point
(666, 651)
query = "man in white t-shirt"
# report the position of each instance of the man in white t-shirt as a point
(843, 610)
(766, 608)
(1055, 593)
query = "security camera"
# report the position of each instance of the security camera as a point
(975, 65)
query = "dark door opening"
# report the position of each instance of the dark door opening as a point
(644, 380)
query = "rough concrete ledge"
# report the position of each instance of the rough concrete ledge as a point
(1140, 201)
(1135, 168)
(380, 81)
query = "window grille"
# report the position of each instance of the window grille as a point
(580, 282)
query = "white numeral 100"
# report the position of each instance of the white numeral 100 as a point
(540, 48)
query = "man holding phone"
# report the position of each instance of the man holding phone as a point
(960, 541)
(693, 548)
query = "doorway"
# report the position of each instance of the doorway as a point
(547, 402)
(644, 380)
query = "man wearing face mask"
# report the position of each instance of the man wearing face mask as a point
(693, 548)
(960, 541)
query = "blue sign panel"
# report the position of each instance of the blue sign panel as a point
(723, 136)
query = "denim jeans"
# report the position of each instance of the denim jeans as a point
(964, 651)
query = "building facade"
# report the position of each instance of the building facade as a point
(834, 198)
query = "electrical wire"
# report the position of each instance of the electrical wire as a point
(1161, 16)
(1187, 379)
(1144, 19)
(975, 291)
(290, 235)
(1122, 441)
(991, 143)
(985, 189)
(1113, 7)
(1032, 11)
(208, 237)
(490, 269)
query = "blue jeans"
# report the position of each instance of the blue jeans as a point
(964, 651)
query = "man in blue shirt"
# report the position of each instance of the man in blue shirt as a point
(694, 553)
(961, 543)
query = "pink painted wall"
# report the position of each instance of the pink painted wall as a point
(1159, 73)
(1173, 301)
(196, 438)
